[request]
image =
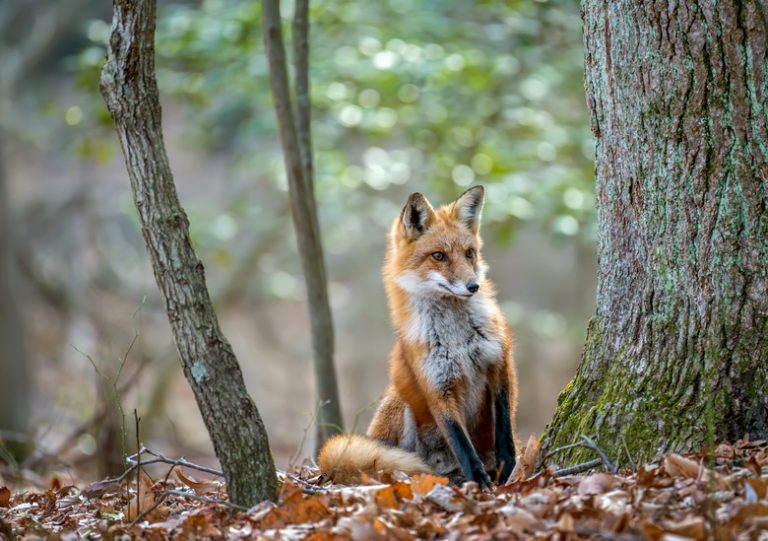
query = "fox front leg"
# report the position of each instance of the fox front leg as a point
(505, 443)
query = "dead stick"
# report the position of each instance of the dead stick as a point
(561, 449)
(138, 462)
(629, 455)
(183, 462)
(163, 460)
(578, 468)
(160, 459)
(313, 488)
(592, 445)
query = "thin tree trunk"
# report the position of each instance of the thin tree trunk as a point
(298, 165)
(129, 87)
(676, 356)
(15, 389)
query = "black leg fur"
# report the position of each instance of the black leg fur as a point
(465, 453)
(505, 443)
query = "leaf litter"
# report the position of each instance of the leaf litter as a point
(720, 495)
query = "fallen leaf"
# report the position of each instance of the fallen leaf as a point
(99, 488)
(200, 487)
(423, 483)
(597, 483)
(519, 520)
(389, 496)
(296, 508)
(693, 528)
(566, 524)
(142, 501)
(445, 498)
(756, 484)
(199, 526)
(526, 464)
(615, 502)
(5, 496)
(679, 465)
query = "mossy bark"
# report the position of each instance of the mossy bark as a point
(676, 355)
(129, 88)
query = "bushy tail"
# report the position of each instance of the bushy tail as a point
(343, 457)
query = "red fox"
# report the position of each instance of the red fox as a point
(450, 405)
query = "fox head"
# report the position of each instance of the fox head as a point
(436, 252)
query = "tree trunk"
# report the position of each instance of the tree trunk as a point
(676, 357)
(15, 388)
(297, 152)
(129, 87)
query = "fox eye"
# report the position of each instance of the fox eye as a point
(470, 253)
(439, 256)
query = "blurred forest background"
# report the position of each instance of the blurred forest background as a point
(408, 96)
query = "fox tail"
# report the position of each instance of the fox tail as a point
(345, 456)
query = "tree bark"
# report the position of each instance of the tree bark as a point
(298, 165)
(129, 87)
(676, 356)
(15, 388)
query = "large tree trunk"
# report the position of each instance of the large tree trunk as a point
(676, 356)
(297, 151)
(15, 389)
(129, 87)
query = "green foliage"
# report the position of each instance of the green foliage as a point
(436, 95)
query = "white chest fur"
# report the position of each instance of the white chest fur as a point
(460, 338)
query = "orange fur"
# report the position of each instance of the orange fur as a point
(451, 369)
(345, 456)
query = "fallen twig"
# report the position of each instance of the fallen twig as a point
(629, 456)
(578, 468)
(553, 452)
(159, 459)
(139, 447)
(592, 445)
(309, 487)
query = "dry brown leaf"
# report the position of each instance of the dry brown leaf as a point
(296, 508)
(99, 488)
(540, 503)
(650, 530)
(752, 511)
(199, 526)
(5, 496)
(325, 536)
(444, 498)
(142, 501)
(597, 483)
(679, 465)
(526, 464)
(692, 528)
(390, 496)
(423, 483)
(615, 502)
(519, 520)
(757, 484)
(566, 524)
(200, 487)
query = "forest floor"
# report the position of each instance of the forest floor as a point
(677, 498)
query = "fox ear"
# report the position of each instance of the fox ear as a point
(468, 206)
(417, 216)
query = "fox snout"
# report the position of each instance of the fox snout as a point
(472, 286)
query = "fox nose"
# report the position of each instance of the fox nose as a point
(473, 286)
